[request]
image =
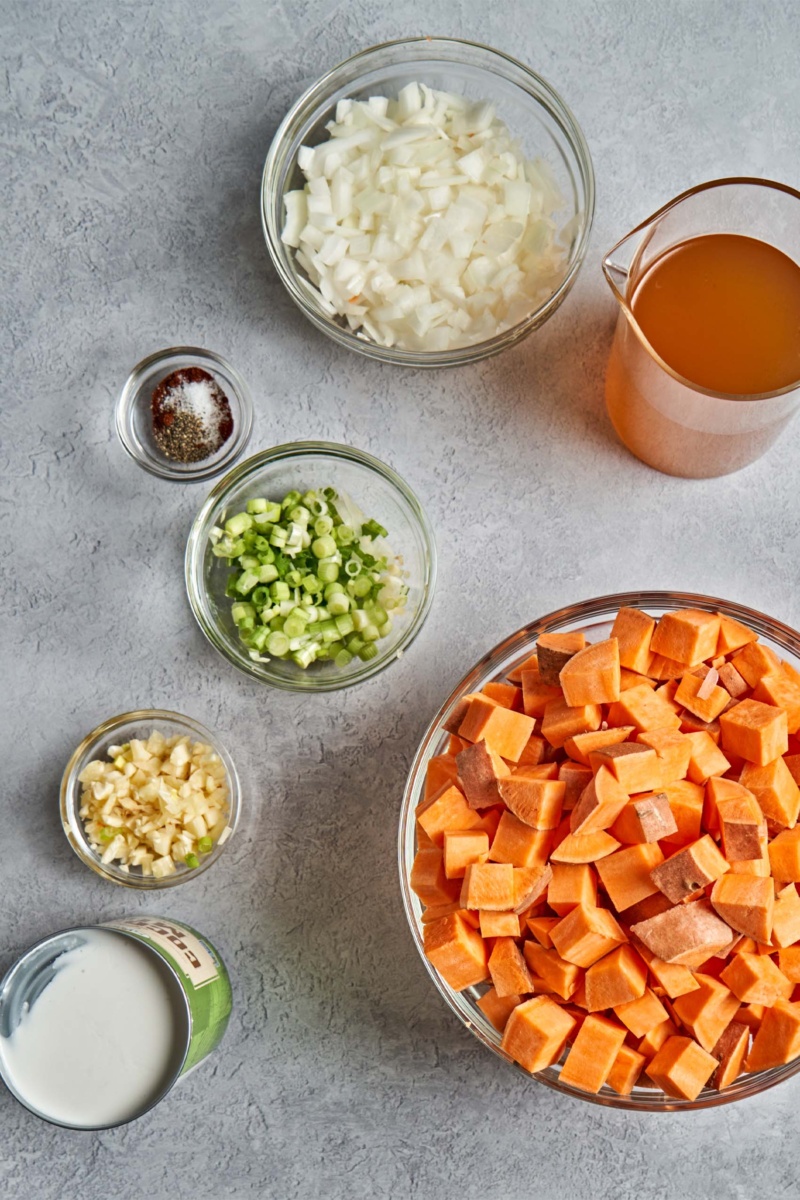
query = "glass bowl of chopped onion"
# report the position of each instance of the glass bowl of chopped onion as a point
(428, 202)
(311, 566)
(149, 799)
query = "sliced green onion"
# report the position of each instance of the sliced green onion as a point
(286, 560)
(328, 572)
(277, 644)
(192, 860)
(204, 844)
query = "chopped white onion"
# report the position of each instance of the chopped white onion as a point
(422, 224)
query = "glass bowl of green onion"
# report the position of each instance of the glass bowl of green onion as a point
(311, 566)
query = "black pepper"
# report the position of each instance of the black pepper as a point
(192, 416)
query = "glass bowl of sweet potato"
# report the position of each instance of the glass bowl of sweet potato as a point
(599, 851)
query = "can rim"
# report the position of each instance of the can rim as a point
(173, 1078)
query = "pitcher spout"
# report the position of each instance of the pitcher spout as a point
(621, 264)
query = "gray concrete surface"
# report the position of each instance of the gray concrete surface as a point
(133, 145)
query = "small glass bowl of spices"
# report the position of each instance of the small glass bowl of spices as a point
(184, 413)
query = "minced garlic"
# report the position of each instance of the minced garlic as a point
(155, 804)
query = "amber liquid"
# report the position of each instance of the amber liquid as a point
(723, 312)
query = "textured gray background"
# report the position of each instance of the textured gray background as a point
(135, 136)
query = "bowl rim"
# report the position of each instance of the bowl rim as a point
(196, 547)
(243, 425)
(520, 642)
(69, 797)
(539, 90)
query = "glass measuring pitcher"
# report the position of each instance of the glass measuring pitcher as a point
(666, 420)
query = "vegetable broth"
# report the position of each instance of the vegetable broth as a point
(723, 311)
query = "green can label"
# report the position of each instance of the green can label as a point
(200, 972)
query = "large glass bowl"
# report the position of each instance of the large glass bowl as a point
(594, 618)
(114, 732)
(377, 490)
(534, 113)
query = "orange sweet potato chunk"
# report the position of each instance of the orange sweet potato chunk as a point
(462, 847)
(754, 731)
(441, 770)
(673, 750)
(635, 766)
(786, 917)
(706, 1012)
(575, 777)
(561, 721)
(775, 688)
(571, 884)
(457, 951)
(535, 801)
(585, 934)
(626, 874)
(644, 709)
(755, 979)
(633, 630)
(689, 870)
(583, 745)
(506, 694)
(479, 773)
(593, 1054)
(508, 969)
(778, 1038)
(584, 847)
(681, 1068)
(600, 803)
(775, 790)
(553, 651)
(536, 1033)
(497, 1009)
(741, 825)
(746, 903)
(530, 885)
(642, 1015)
(686, 801)
(645, 818)
(789, 963)
(784, 856)
(536, 694)
(488, 886)
(559, 976)
(705, 702)
(617, 978)
(733, 635)
(626, 1070)
(674, 979)
(429, 879)
(499, 925)
(504, 731)
(446, 810)
(687, 934)
(540, 928)
(754, 662)
(730, 1052)
(688, 636)
(519, 844)
(592, 675)
(652, 1042)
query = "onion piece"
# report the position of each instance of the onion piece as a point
(422, 225)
